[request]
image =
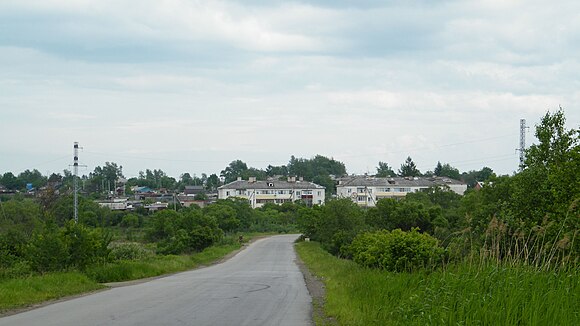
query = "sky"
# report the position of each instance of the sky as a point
(189, 86)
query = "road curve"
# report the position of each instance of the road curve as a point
(261, 285)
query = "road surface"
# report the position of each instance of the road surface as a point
(261, 285)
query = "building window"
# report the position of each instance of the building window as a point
(360, 190)
(362, 198)
(298, 193)
(227, 193)
(320, 193)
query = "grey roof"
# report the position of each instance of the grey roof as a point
(363, 181)
(272, 184)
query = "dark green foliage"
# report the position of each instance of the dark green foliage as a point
(472, 177)
(409, 169)
(238, 168)
(338, 222)
(384, 170)
(406, 214)
(74, 245)
(317, 166)
(396, 250)
(130, 220)
(178, 232)
(446, 170)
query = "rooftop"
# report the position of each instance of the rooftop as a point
(271, 184)
(365, 181)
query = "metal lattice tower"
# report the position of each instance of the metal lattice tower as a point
(522, 142)
(75, 180)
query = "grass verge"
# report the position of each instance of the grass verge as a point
(21, 292)
(158, 265)
(460, 295)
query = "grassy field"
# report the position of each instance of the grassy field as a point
(26, 291)
(460, 295)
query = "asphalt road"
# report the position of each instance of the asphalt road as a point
(261, 285)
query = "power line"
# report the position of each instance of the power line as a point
(430, 148)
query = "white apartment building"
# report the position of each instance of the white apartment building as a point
(366, 191)
(278, 192)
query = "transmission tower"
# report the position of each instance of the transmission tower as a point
(75, 180)
(522, 148)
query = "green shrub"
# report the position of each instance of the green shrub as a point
(184, 232)
(128, 251)
(130, 220)
(74, 245)
(396, 250)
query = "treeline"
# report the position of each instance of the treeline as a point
(532, 217)
(109, 179)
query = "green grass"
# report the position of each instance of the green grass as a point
(25, 291)
(21, 292)
(460, 295)
(158, 265)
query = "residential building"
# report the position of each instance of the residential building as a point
(366, 191)
(193, 190)
(272, 191)
(115, 204)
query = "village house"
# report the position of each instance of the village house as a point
(366, 191)
(278, 192)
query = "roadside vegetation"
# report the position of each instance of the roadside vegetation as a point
(460, 294)
(45, 255)
(505, 254)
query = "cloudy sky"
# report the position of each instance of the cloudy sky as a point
(189, 86)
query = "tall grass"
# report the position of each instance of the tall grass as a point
(462, 294)
(158, 265)
(22, 292)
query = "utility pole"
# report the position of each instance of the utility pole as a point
(75, 180)
(522, 148)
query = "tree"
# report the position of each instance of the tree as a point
(319, 165)
(472, 177)
(277, 170)
(10, 181)
(556, 143)
(446, 170)
(213, 181)
(33, 177)
(438, 169)
(234, 170)
(409, 169)
(384, 170)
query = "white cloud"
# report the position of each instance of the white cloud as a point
(363, 83)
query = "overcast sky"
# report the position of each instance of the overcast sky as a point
(189, 86)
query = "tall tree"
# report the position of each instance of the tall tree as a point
(409, 169)
(438, 169)
(384, 170)
(213, 181)
(446, 170)
(234, 170)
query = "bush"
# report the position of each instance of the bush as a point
(183, 232)
(74, 245)
(396, 250)
(128, 251)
